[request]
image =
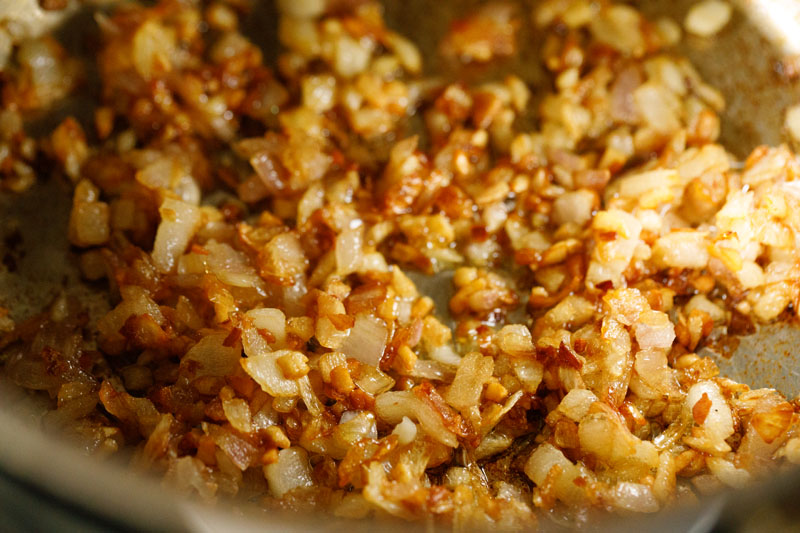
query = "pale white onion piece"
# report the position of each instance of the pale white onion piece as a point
(231, 267)
(349, 244)
(313, 404)
(406, 431)
(272, 320)
(191, 473)
(634, 497)
(153, 45)
(240, 451)
(444, 354)
(575, 405)
(623, 106)
(651, 368)
(718, 423)
(605, 436)
(265, 371)
(708, 17)
(367, 340)
(700, 302)
(619, 27)
(354, 426)
(575, 206)
(515, 339)
(530, 373)
(210, 356)
(169, 173)
(238, 414)
(654, 330)
(684, 249)
(433, 370)
(393, 406)
(265, 417)
(541, 462)
(792, 122)
(472, 374)
(179, 222)
(373, 381)
(291, 471)
(728, 473)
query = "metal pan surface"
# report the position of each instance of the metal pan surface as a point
(744, 61)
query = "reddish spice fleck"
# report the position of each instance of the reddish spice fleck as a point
(633, 417)
(338, 158)
(206, 450)
(142, 331)
(701, 409)
(243, 385)
(361, 400)
(233, 338)
(478, 233)
(214, 410)
(454, 202)
(605, 285)
(580, 345)
(266, 335)
(452, 420)
(341, 321)
(231, 212)
(53, 5)
(568, 357)
(740, 324)
(527, 256)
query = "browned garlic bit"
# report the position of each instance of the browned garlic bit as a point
(257, 227)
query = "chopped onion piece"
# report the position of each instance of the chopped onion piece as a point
(179, 222)
(191, 473)
(634, 497)
(272, 320)
(530, 373)
(393, 406)
(708, 17)
(433, 370)
(540, 464)
(367, 340)
(406, 431)
(230, 266)
(654, 330)
(445, 354)
(727, 473)
(291, 471)
(309, 398)
(238, 414)
(370, 379)
(473, 373)
(575, 405)
(241, 452)
(211, 357)
(265, 371)
(349, 251)
(354, 426)
(717, 421)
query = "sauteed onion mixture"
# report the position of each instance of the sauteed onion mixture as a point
(338, 281)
